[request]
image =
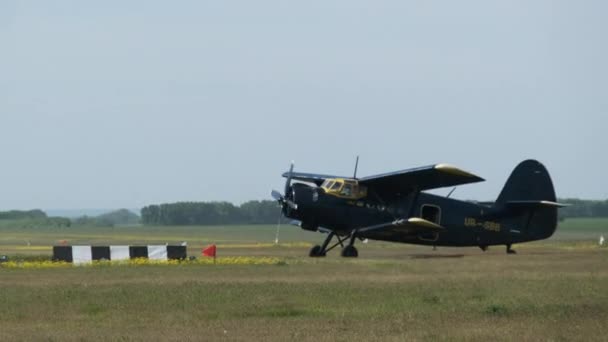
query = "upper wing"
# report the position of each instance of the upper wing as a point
(421, 178)
(310, 177)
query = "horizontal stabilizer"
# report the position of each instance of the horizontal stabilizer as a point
(535, 204)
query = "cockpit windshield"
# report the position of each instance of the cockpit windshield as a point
(346, 188)
(327, 184)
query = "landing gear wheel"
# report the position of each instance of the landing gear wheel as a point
(510, 251)
(350, 252)
(316, 252)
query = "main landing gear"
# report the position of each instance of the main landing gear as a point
(316, 251)
(509, 250)
(348, 251)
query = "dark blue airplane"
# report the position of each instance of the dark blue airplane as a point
(394, 207)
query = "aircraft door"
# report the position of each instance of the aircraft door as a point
(432, 213)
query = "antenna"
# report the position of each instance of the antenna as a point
(356, 166)
(448, 196)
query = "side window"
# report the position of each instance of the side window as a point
(347, 190)
(431, 213)
(336, 186)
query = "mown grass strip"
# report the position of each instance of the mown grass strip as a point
(43, 264)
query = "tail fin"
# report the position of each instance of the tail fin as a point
(530, 181)
(529, 197)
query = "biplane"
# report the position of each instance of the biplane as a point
(395, 207)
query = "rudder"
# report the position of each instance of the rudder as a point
(529, 196)
(529, 181)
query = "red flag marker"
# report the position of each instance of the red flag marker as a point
(210, 251)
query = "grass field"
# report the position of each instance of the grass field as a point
(552, 290)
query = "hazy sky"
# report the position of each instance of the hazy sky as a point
(125, 103)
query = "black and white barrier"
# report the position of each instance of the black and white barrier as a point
(86, 254)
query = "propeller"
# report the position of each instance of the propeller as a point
(283, 198)
(284, 201)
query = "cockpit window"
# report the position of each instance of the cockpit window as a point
(336, 186)
(347, 190)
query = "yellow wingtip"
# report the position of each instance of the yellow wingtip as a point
(447, 168)
(424, 223)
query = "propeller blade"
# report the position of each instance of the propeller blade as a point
(288, 182)
(276, 195)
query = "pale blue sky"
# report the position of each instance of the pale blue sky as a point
(125, 103)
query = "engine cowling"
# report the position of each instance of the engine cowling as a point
(309, 226)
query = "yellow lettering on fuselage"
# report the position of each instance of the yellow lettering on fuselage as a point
(487, 225)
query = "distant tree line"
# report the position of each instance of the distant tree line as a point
(31, 218)
(583, 208)
(22, 214)
(111, 219)
(38, 218)
(210, 213)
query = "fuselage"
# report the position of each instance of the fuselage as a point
(466, 223)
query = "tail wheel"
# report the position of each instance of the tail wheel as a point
(350, 252)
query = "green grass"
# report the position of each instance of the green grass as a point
(38, 240)
(532, 297)
(582, 229)
(584, 225)
(552, 290)
(16, 238)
